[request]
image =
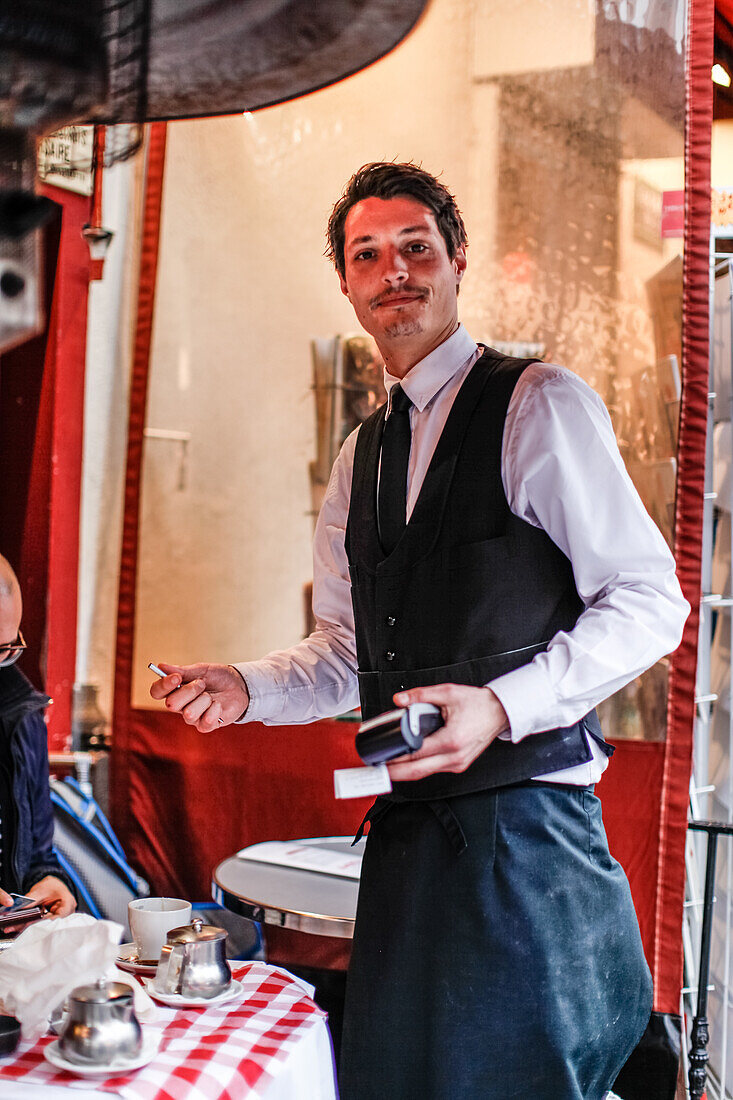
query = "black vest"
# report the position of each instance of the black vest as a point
(469, 592)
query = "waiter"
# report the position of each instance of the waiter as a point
(480, 547)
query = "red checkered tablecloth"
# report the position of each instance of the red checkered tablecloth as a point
(220, 1052)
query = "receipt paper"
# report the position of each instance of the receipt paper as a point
(361, 782)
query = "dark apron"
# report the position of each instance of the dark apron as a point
(496, 953)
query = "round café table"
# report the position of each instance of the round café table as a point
(308, 901)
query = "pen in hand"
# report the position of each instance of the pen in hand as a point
(159, 672)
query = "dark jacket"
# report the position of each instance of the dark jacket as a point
(22, 729)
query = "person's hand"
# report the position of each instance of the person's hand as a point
(206, 696)
(473, 717)
(54, 895)
(9, 930)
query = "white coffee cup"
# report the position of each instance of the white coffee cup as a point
(151, 919)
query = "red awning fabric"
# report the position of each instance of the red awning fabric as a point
(666, 962)
(41, 430)
(120, 773)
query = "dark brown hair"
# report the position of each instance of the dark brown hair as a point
(387, 180)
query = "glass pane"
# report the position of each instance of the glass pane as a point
(558, 124)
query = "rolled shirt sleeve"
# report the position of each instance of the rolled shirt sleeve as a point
(562, 471)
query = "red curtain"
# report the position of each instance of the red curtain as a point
(666, 962)
(64, 378)
(121, 774)
(41, 415)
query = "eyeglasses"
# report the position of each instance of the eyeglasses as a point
(11, 651)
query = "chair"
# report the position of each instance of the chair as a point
(93, 858)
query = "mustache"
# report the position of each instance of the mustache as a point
(389, 295)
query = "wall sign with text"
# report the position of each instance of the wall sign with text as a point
(65, 159)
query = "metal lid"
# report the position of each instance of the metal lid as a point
(101, 992)
(196, 932)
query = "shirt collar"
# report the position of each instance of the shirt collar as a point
(423, 381)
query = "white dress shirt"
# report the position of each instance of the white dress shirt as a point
(561, 471)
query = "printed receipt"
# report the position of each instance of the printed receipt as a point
(361, 782)
(305, 857)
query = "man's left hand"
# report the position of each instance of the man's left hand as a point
(54, 894)
(473, 717)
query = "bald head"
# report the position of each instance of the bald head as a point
(11, 603)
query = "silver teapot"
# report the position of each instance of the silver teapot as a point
(193, 962)
(101, 1025)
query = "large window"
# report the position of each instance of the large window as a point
(559, 126)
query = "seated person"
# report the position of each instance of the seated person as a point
(28, 863)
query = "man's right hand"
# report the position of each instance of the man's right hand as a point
(206, 696)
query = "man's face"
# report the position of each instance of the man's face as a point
(398, 275)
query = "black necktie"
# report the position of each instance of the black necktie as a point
(392, 497)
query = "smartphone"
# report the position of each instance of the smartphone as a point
(22, 911)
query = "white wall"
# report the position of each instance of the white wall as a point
(529, 36)
(721, 167)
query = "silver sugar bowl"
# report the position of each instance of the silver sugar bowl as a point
(193, 962)
(101, 1025)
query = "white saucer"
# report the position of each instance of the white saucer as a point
(176, 1000)
(127, 960)
(117, 1068)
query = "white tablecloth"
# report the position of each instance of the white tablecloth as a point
(308, 1074)
(276, 1038)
